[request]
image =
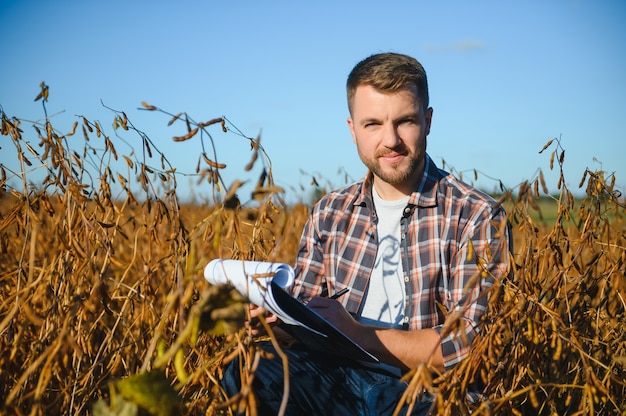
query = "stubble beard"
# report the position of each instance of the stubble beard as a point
(397, 174)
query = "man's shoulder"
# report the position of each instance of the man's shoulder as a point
(463, 193)
(438, 186)
(341, 202)
(460, 187)
(350, 192)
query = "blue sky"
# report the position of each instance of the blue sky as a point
(505, 77)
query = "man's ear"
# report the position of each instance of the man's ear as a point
(429, 118)
(351, 126)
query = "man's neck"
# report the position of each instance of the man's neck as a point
(393, 192)
(390, 192)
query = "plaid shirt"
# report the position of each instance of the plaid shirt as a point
(443, 215)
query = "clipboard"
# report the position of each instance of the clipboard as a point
(316, 332)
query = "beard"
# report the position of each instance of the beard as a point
(400, 173)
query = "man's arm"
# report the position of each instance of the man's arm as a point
(479, 260)
(402, 349)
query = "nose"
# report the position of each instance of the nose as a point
(391, 137)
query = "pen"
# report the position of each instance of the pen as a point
(341, 292)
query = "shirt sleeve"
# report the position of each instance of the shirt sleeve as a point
(481, 257)
(309, 267)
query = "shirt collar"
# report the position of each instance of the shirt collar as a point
(426, 193)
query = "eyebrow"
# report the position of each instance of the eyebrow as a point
(407, 116)
(369, 120)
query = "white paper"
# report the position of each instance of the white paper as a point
(245, 276)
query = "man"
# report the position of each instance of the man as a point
(412, 243)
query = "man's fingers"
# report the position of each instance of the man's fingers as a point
(255, 323)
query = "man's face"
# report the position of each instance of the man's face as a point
(389, 130)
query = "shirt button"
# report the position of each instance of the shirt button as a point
(406, 279)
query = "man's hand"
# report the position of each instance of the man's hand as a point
(336, 314)
(255, 324)
(256, 327)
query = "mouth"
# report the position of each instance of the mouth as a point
(392, 157)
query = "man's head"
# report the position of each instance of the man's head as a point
(388, 73)
(390, 120)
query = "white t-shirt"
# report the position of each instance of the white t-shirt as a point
(385, 296)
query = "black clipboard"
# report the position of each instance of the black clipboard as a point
(324, 337)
